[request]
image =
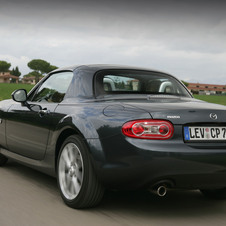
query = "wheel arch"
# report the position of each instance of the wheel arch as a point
(74, 125)
(62, 137)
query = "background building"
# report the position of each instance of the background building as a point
(207, 89)
(6, 77)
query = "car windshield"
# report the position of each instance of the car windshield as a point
(137, 82)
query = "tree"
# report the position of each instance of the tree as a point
(4, 66)
(185, 83)
(40, 67)
(16, 72)
(51, 68)
(33, 74)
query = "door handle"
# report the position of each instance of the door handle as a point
(43, 112)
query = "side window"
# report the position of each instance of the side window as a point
(54, 88)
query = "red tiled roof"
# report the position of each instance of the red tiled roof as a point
(8, 76)
(202, 84)
(28, 78)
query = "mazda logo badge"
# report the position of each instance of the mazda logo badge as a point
(213, 116)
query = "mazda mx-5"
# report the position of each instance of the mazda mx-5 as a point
(98, 127)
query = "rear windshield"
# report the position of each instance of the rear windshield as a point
(137, 82)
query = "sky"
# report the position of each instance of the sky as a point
(184, 38)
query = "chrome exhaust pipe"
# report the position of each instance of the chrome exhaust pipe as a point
(160, 190)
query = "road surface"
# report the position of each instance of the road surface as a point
(28, 197)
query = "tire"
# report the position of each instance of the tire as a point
(77, 181)
(215, 193)
(3, 160)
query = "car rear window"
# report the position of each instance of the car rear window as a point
(137, 82)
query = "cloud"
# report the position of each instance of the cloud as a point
(15, 60)
(186, 38)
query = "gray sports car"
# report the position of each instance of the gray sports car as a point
(98, 127)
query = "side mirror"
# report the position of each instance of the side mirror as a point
(20, 95)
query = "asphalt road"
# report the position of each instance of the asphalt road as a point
(28, 197)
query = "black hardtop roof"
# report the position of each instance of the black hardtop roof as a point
(98, 67)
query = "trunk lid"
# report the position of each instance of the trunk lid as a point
(182, 110)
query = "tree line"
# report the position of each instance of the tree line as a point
(39, 68)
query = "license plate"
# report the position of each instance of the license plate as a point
(203, 133)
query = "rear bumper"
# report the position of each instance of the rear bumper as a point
(129, 163)
(184, 173)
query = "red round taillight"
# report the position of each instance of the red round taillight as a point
(163, 129)
(137, 129)
(148, 129)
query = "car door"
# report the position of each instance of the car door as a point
(27, 127)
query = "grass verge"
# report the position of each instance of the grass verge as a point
(212, 99)
(6, 89)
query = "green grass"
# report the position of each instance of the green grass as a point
(212, 99)
(7, 88)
